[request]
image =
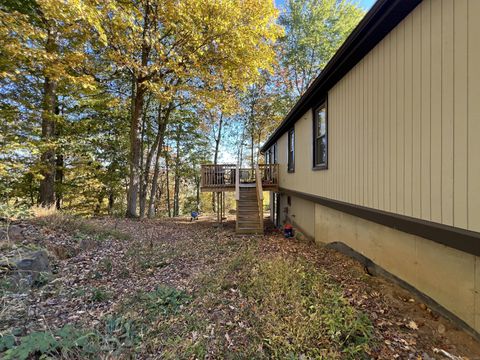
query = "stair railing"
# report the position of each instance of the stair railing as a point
(259, 187)
(237, 183)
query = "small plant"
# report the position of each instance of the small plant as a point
(42, 279)
(124, 274)
(60, 343)
(164, 301)
(120, 333)
(106, 265)
(99, 295)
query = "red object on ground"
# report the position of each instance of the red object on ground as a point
(288, 231)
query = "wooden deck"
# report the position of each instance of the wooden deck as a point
(217, 178)
(248, 185)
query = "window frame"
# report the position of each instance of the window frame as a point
(291, 165)
(316, 166)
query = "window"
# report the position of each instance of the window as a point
(320, 138)
(291, 150)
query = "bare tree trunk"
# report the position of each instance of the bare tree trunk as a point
(143, 169)
(47, 185)
(162, 126)
(59, 176)
(135, 124)
(197, 187)
(111, 202)
(218, 138)
(176, 186)
(169, 208)
(252, 155)
(135, 171)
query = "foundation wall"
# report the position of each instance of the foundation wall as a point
(450, 277)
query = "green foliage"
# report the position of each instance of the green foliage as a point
(10, 211)
(313, 32)
(164, 301)
(7, 341)
(106, 265)
(300, 313)
(99, 295)
(119, 333)
(61, 342)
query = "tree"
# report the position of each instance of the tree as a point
(314, 29)
(43, 48)
(182, 50)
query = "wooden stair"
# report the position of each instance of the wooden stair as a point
(248, 212)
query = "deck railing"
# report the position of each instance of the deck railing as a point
(228, 175)
(218, 176)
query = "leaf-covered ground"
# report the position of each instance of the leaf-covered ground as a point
(179, 289)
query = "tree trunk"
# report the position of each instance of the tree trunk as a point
(176, 194)
(135, 123)
(145, 166)
(47, 185)
(197, 187)
(162, 125)
(169, 208)
(135, 171)
(252, 155)
(218, 138)
(111, 202)
(59, 176)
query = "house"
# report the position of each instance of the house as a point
(381, 156)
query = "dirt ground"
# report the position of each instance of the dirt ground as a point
(111, 276)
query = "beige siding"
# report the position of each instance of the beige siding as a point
(404, 123)
(422, 263)
(473, 97)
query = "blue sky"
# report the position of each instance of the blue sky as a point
(366, 4)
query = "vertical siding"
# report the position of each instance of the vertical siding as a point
(447, 111)
(436, 111)
(408, 118)
(473, 115)
(416, 114)
(426, 117)
(404, 123)
(460, 117)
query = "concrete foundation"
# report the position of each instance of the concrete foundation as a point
(448, 276)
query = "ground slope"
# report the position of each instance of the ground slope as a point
(180, 289)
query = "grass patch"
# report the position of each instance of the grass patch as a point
(80, 227)
(299, 313)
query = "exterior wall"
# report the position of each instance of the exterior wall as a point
(404, 137)
(404, 123)
(422, 263)
(301, 214)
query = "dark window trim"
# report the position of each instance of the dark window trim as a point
(314, 131)
(460, 239)
(291, 166)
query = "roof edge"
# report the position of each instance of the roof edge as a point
(384, 16)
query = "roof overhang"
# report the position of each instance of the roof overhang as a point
(376, 24)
